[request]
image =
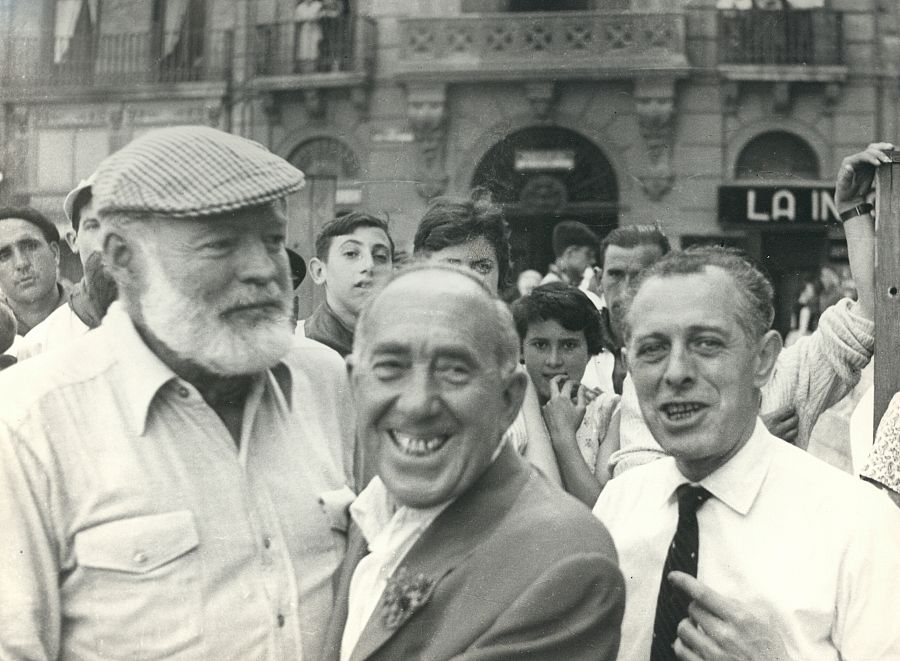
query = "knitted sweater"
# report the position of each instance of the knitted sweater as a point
(812, 374)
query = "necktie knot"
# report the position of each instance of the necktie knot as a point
(690, 499)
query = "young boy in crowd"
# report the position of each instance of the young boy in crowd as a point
(354, 257)
(559, 328)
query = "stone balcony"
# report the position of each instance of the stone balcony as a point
(38, 65)
(344, 55)
(545, 45)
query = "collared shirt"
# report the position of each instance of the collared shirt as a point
(811, 375)
(61, 327)
(784, 533)
(134, 526)
(62, 292)
(390, 534)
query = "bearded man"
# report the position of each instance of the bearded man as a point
(172, 487)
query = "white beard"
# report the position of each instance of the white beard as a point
(196, 332)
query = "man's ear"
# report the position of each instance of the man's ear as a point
(769, 350)
(514, 395)
(71, 240)
(54, 248)
(317, 270)
(118, 255)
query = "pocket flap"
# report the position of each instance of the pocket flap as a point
(138, 544)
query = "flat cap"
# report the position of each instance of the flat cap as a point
(190, 171)
(72, 214)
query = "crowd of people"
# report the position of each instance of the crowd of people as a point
(421, 469)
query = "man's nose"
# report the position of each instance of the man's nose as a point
(258, 263)
(679, 368)
(22, 260)
(418, 395)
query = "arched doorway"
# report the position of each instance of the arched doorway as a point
(543, 175)
(332, 173)
(791, 255)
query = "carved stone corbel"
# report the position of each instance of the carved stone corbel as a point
(271, 108)
(426, 111)
(213, 113)
(314, 102)
(114, 118)
(542, 97)
(781, 97)
(731, 95)
(359, 97)
(655, 105)
(832, 93)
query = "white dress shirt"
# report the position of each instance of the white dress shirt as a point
(390, 536)
(784, 533)
(133, 525)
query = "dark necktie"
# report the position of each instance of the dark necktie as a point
(684, 552)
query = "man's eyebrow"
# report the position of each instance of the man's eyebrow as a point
(389, 347)
(350, 240)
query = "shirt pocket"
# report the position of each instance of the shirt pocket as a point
(136, 590)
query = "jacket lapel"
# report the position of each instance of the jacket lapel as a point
(357, 548)
(447, 542)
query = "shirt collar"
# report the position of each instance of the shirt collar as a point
(375, 509)
(739, 481)
(144, 373)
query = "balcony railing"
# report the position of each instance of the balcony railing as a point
(327, 45)
(118, 59)
(781, 37)
(570, 43)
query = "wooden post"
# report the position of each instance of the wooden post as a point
(887, 286)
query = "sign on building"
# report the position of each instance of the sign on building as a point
(767, 205)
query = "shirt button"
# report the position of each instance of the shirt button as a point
(267, 541)
(183, 392)
(140, 558)
(280, 620)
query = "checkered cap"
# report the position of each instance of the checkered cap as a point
(190, 171)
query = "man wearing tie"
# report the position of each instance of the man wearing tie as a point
(737, 545)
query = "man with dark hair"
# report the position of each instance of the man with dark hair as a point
(458, 549)
(92, 295)
(559, 331)
(742, 545)
(624, 253)
(468, 232)
(575, 247)
(354, 257)
(29, 266)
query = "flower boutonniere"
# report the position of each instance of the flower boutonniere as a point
(404, 595)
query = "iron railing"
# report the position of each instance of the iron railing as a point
(326, 45)
(781, 37)
(117, 59)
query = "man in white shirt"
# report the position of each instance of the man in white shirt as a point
(470, 551)
(170, 482)
(737, 545)
(91, 296)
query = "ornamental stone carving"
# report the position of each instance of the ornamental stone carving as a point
(655, 105)
(426, 111)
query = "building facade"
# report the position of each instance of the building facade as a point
(722, 124)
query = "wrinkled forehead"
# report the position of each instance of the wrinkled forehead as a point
(710, 295)
(632, 259)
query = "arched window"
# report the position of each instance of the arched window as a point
(777, 155)
(326, 157)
